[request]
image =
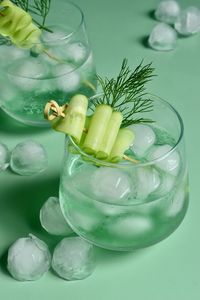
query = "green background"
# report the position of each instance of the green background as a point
(169, 270)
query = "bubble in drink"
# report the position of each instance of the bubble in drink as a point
(171, 163)
(144, 138)
(4, 157)
(28, 158)
(52, 219)
(162, 38)
(189, 21)
(73, 259)
(110, 185)
(167, 11)
(28, 258)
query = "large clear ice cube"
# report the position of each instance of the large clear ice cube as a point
(144, 138)
(28, 158)
(162, 37)
(73, 259)
(167, 158)
(168, 11)
(28, 258)
(189, 21)
(52, 219)
(111, 185)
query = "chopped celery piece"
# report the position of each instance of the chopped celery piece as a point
(74, 120)
(110, 135)
(123, 141)
(97, 129)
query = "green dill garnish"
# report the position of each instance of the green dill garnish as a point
(127, 93)
(39, 8)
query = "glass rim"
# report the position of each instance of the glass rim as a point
(140, 164)
(67, 36)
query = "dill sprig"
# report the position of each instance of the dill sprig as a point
(127, 93)
(39, 8)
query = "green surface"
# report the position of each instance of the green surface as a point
(167, 271)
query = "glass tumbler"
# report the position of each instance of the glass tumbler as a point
(57, 67)
(126, 206)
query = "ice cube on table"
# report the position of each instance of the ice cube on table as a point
(4, 157)
(67, 78)
(28, 258)
(52, 219)
(110, 185)
(147, 181)
(162, 38)
(144, 138)
(189, 21)
(130, 226)
(28, 158)
(73, 259)
(168, 11)
(168, 162)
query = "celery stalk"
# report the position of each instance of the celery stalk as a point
(123, 141)
(74, 120)
(110, 135)
(97, 129)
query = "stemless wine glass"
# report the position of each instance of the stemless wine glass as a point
(127, 206)
(57, 67)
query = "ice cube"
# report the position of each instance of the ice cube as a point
(4, 157)
(110, 185)
(167, 183)
(77, 52)
(144, 138)
(177, 203)
(189, 21)
(108, 209)
(26, 74)
(52, 219)
(167, 11)
(168, 162)
(67, 78)
(162, 38)
(73, 259)
(130, 226)
(13, 53)
(147, 181)
(85, 220)
(54, 37)
(28, 258)
(28, 158)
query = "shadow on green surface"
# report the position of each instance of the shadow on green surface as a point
(20, 205)
(144, 41)
(11, 126)
(151, 14)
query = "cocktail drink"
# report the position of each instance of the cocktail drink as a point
(56, 65)
(127, 205)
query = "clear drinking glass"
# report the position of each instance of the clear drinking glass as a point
(58, 67)
(127, 206)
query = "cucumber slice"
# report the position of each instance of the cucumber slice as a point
(97, 129)
(86, 127)
(75, 115)
(123, 141)
(110, 135)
